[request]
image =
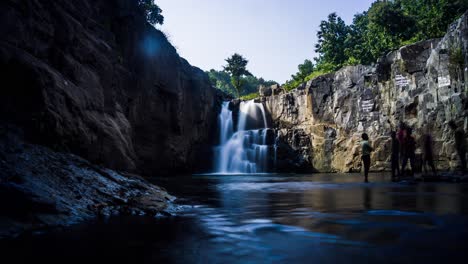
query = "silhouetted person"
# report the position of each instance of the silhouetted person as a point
(428, 158)
(395, 159)
(401, 139)
(460, 144)
(366, 151)
(409, 148)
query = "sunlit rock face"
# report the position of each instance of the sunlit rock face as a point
(93, 78)
(320, 122)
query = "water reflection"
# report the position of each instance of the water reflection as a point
(279, 219)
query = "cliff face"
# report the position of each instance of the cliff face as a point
(423, 85)
(94, 78)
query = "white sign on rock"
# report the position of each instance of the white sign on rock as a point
(443, 81)
(401, 80)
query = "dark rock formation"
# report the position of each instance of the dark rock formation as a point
(94, 78)
(420, 84)
(40, 188)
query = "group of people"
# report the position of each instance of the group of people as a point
(404, 151)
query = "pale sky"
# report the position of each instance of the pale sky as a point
(275, 35)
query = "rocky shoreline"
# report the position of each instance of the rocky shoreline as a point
(41, 188)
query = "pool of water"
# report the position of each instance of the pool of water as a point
(269, 218)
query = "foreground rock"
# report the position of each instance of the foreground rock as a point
(424, 85)
(41, 188)
(93, 78)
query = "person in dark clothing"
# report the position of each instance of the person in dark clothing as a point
(401, 139)
(366, 151)
(395, 159)
(460, 144)
(428, 153)
(409, 148)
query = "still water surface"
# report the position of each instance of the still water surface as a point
(320, 218)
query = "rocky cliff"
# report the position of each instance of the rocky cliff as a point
(95, 79)
(423, 84)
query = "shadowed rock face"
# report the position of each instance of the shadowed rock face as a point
(41, 188)
(93, 78)
(417, 84)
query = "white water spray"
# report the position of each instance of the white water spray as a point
(245, 150)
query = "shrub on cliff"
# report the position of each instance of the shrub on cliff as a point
(152, 12)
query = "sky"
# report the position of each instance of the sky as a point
(274, 35)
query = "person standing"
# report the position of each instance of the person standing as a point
(395, 159)
(366, 151)
(428, 153)
(460, 144)
(401, 135)
(409, 149)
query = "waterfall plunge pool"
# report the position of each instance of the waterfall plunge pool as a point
(272, 218)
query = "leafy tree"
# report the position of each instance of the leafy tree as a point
(152, 11)
(433, 16)
(222, 81)
(305, 69)
(357, 50)
(331, 41)
(237, 68)
(389, 26)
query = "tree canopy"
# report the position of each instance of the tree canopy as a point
(237, 68)
(152, 11)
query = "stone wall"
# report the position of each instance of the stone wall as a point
(320, 123)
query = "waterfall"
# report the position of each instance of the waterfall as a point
(246, 149)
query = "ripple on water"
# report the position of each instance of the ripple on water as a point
(278, 187)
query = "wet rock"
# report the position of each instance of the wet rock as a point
(40, 188)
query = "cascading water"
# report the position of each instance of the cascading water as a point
(247, 148)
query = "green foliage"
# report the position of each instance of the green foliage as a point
(331, 41)
(316, 74)
(292, 84)
(222, 80)
(152, 11)
(385, 26)
(250, 96)
(237, 68)
(432, 16)
(456, 57)
(305, 69)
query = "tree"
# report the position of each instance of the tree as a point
(433, 16)
(357, 49)
(331, 41)
(222, 81)
(389, 26)
(237, 68)
(305, 69)
(152, 11)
